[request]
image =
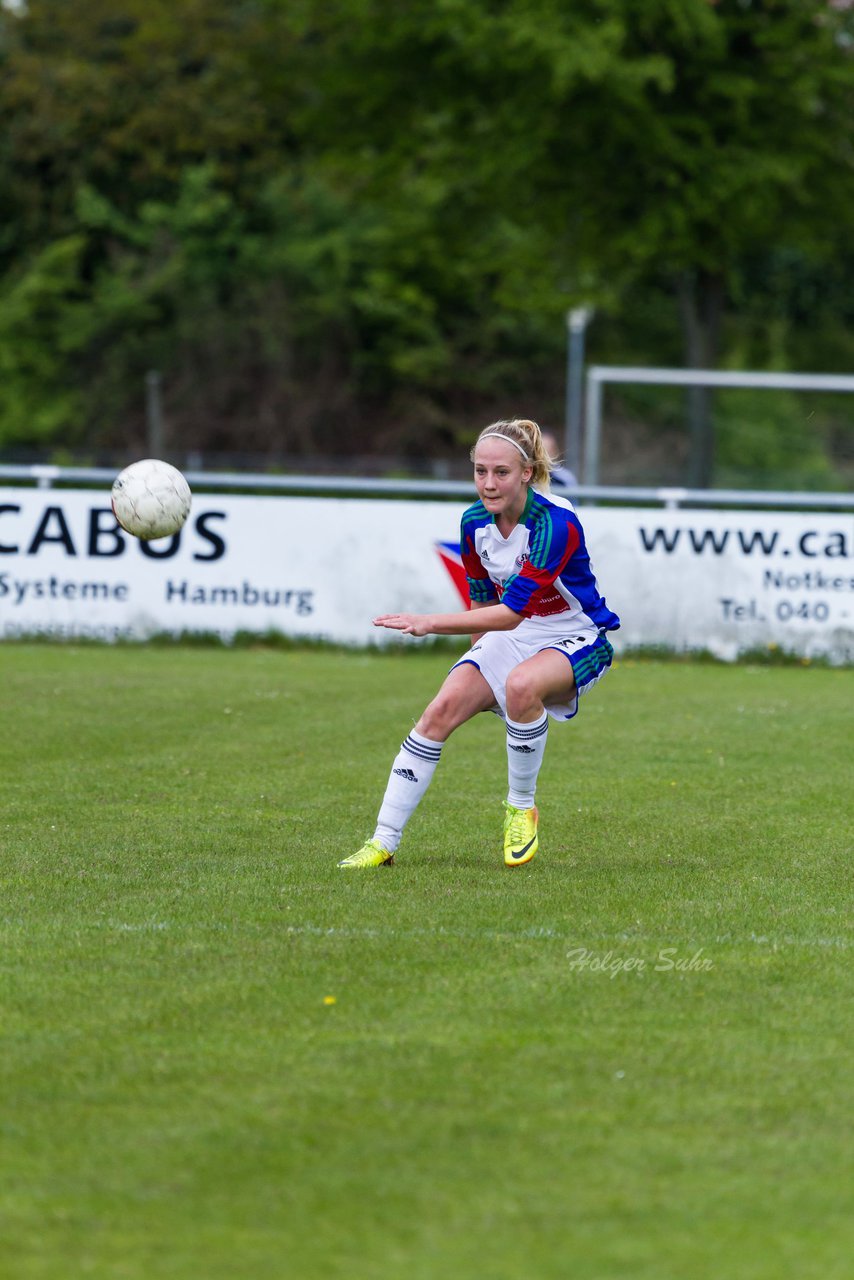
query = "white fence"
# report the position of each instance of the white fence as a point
(680, 577)
(45, 476)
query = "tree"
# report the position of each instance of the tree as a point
(377, 214)
(637, 139)
(125, 132)
(745, 141)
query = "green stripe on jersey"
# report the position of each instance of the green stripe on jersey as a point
(541, 541)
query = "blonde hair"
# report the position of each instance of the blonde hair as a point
(527, 438)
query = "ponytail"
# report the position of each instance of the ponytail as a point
(527, 438)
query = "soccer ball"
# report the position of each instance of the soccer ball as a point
(151, 499)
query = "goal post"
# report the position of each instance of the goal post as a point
(599, 375)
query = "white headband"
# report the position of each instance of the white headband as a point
(499, 436)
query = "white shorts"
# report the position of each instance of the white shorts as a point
(498, 652)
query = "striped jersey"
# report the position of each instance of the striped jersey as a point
(542, 568)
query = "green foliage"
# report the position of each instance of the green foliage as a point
(770, 433)
(38, 343)
(375, 216)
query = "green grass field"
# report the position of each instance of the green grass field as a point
(223, 1058)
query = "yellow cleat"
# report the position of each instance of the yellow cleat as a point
(371, 854)
(520, 835)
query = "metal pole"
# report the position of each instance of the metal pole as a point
(592, 427)
(577, 320)
(153, 414)
(568, 419)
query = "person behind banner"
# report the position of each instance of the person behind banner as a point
(561, 477)
(539, 626)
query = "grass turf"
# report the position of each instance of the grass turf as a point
(224, 1058)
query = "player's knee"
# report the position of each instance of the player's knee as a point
(439, 719)
(521, 692)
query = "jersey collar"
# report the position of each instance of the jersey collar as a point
(525, 510)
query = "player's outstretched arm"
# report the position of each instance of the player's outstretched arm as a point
(493, 617)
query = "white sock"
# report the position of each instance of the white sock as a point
(411, 775)
(526, 744)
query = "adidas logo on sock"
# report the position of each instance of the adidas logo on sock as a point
(528, 750)
(410, 776)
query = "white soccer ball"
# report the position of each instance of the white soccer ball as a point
(151, 499)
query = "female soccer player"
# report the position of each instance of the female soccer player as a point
(539, 625)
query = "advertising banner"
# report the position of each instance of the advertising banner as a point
(323, 567)
(729, 581)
